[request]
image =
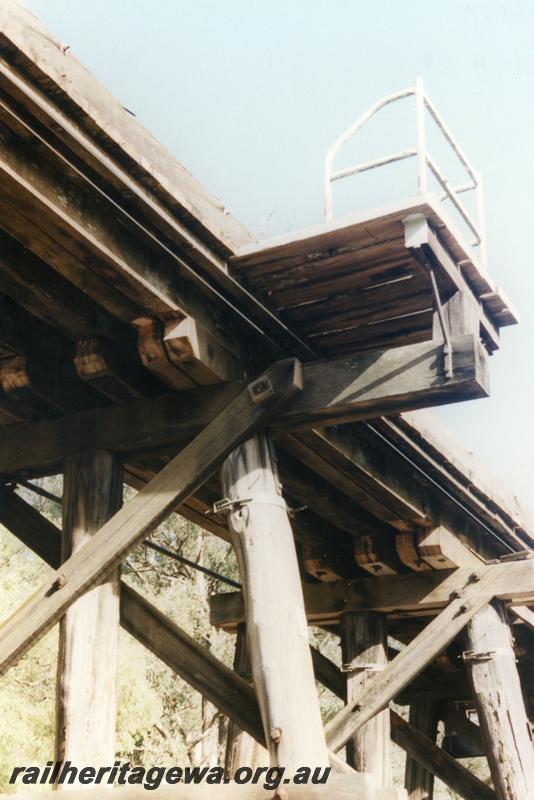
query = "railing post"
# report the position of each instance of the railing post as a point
(328, 188)
(421, 136)
(481, 221)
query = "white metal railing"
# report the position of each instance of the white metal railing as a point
(425, 163)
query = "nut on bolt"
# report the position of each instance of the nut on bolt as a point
(276, 735)
(260, 389)
(58, 583)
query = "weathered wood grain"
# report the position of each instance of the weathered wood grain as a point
(433, 759)
(242, 749)
(416, 744)
(86, 696)
(364, 653)
(474, 595)
(421, 593)
(505, 728)
(419, 781)
(358, 388)
(279, 654)
(177, 481)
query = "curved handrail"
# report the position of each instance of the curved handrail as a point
(425, 163)
(348, 134)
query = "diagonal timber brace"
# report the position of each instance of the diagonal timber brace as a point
(177, 481)
(231, 694)
(364, 386)
(420, 747)
(473, 596)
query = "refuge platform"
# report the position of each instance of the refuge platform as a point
(355, 283)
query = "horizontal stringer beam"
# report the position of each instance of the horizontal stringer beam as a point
(180, 478)
(420, 594)
(365, 386)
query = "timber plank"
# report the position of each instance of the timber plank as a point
(424, 592)
(98, 113)
(358, 388)
(433, 759)
(414, 658)
(177, 481)
(339, 787)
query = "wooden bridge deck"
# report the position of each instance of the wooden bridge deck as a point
(134, 308)
(353, 284)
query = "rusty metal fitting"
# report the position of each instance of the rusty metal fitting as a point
(276, 735)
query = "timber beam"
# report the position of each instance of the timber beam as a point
(468, 599)
(230, 693)
(362, 387)
(339, 787)
(174, 484)
(424, 594)
(194, 663)
(417, 745)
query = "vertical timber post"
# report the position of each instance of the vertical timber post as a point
(88, 636)
(496, 688)
(242, 750)
(364, 653)
(418, 781)
(277, 629)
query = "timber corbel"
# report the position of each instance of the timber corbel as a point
(100, 367)
(154, 355)
(343, 390)
(198, 353)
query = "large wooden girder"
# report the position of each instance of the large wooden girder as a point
(175, 483)
(70, 158)
(420, 747)
(361, 387)
(230, 694)
(194, 663)
(339, 787)
(425, 593)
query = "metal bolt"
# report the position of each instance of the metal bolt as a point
(276, 735)
(455, 594)
(474, 577)
(260, 389)
(280, 794)
(57, 584)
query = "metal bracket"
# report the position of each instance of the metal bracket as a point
(371, 667)
(226, 506)
(260, 389)
(472, 655)
(447, 346)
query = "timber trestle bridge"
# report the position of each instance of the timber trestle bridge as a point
(146, 338)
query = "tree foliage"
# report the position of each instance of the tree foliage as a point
(161, 720)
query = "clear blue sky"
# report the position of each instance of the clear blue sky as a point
(249, 95)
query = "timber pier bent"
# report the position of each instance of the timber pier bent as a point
(147, 339)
